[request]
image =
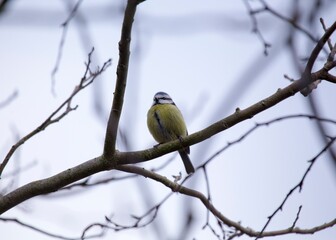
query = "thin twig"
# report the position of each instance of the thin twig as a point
(198, 195)
(9, 99)
(263, 124)
(140, 221)
(36, 229)
(87, 184)
(19, 170)
(297, 186)
(63, 110)
(65, 26)
(297, 217)
(286, 19)
(325, 29)
(255, 27)
(207, 223)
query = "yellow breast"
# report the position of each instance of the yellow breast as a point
(165, 122)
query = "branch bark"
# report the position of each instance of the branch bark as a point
(51, 184)
(122, 70)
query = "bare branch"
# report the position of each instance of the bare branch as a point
(207, 223)
(140, 221)
(65, 26)
(61, 111)
(289, 20)
(297, 217)
(330, 78)
(255, 28)
(297, 186)
(19, 170)
(317, 49)
(3, 5)
(51, 184)
(264, 124)
(122, 70)
(327, 66)
(44, 232)
(9, 99)
(325, 29)
(88, 184)
(36, 229)
(175, 187)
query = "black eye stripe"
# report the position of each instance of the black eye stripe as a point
(165, 98)
(162, 98)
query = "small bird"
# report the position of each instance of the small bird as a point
(165, 122)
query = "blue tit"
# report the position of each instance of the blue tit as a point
(165, 122)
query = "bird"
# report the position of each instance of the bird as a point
(166, 123)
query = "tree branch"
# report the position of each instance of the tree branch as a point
(175, 187)
(122, 70)
(44, 232)
(51, 184)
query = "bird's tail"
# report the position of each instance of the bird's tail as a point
(186, 161)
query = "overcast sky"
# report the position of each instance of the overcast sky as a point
(204, 54)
